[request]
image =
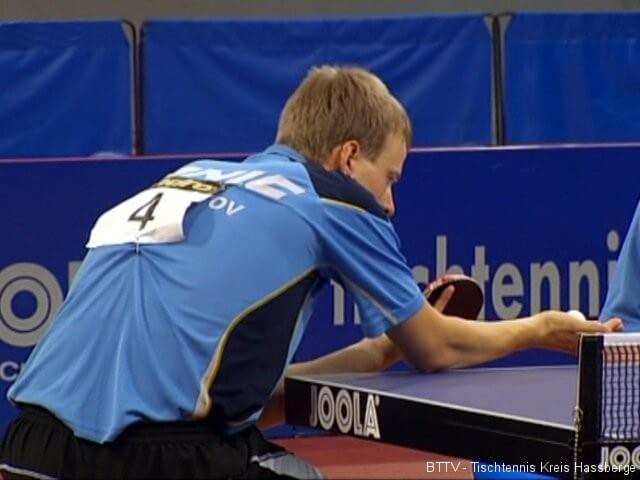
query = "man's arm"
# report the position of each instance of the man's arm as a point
(367, 355)
(432, 341)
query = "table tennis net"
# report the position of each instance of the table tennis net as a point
(619, 386)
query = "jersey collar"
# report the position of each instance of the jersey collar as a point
(285, 151)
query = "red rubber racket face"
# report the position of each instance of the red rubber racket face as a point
(467, 299)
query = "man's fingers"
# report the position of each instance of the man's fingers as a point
(593, 326)
(443, 299)
(455, 294)
(614, 325)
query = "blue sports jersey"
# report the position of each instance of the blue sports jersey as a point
(195, 293)
(623, 296)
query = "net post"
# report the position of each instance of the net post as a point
(588, 418)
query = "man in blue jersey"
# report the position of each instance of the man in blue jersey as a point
(623, 296)
(195, 293)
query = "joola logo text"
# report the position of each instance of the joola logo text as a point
(346, 411)
(620, 455)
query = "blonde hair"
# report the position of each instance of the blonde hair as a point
(335, 104)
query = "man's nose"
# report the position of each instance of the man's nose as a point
(389, 205)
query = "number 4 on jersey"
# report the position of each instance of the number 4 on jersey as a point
(154, 215)
(144, 214)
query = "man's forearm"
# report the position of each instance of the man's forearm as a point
(432, 341)
(471, 343)
(367, 355)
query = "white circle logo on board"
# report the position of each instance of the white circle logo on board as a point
(39, 282)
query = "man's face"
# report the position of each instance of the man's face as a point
(378, 175)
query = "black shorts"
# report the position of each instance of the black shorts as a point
(37, 445)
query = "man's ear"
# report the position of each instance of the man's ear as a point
(348, 153)
(342, 156)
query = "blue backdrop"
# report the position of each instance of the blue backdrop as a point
(220, 85)
(537, 227)
(572, 77)
(65, 88)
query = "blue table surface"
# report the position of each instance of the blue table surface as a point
(544, 395)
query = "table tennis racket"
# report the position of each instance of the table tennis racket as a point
(467, 299)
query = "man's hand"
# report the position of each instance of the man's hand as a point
(560, 331)
(466, 301)
(443, 300)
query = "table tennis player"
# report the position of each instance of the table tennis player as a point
(195, 292)
(623, 295)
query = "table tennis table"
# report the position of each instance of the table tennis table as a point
(527, 417)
